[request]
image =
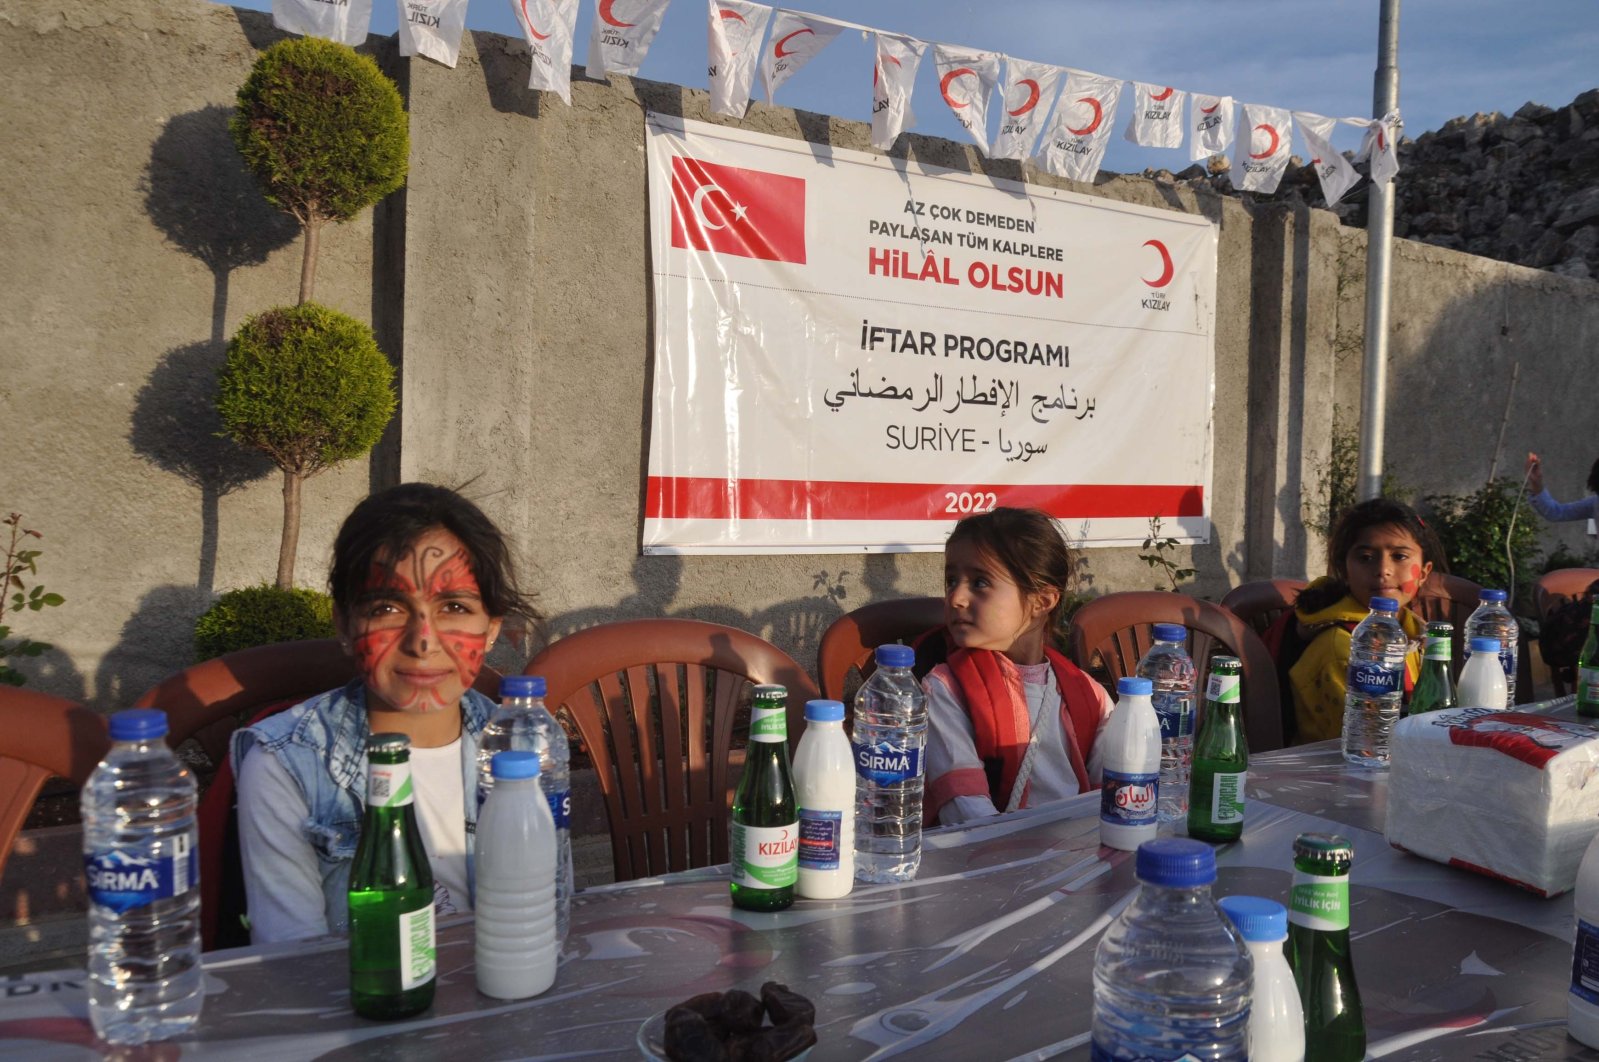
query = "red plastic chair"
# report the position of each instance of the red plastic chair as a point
(848, 645)
(1260, 603)
(41, 736)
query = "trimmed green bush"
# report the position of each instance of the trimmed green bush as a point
(261, 615)
(1473, 527)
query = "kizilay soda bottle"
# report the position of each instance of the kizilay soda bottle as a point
(1435, 688)
(1588, 669)
(764, 847)
(392, 952)
(1221, 758)
(1318, 949)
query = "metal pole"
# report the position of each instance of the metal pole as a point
(1379, 260)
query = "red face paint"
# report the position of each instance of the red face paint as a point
(1411, 585)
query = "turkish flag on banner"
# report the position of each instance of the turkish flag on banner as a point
(1157, 118)
(621, 35)
(733, 210)
(1210, 127)
(1337, 176)
(1260, 155)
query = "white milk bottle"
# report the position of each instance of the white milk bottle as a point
(824, 777)
(1128, 803)
(1482, 680)
(1582, 1002)
(1276, 1018)
(515, 905)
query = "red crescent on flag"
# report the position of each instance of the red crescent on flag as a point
(1164, 94)
(777, 49)
(1032, 100)
(1166, 263)
(728, 12)
(877, 67)
(1211, 109)
(1275, 141)
(609, 16)
(1099, 114)
(529, 20)
(943, 84)
(1381, 144)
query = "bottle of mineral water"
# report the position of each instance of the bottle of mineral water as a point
(1171, 674)
(1376, 684)
(1493, 619)
(141, 859)
(890, 733)
(1582, 1002)
(523, 724)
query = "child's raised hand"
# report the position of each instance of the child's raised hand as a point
(1534, 473)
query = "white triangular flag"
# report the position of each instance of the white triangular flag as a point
(548, 26)
(1381, 145)
(621, 35)
(1334, 172)
(893, 78)
(734, 43)
(432, 28)
(1029, 90)
(1157, 118)
(1210, 126)
(796, 40)
(966, 80)
(344, 22)
(1261, 154)
(1075, 143)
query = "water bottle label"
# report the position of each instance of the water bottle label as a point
(1129, 799)
(1176, 715)
(820, 839)
(1145, 1053)
(121, 881)
(765, 857)
(1377, 680)
(885, 763)
(1319, 901)
(1227, 797)
(418, 954)
(1507, 660)
(1438, 649)
(388, 785)
(1223, 689)
(561, 809)
(768, 724)
(1585, 963)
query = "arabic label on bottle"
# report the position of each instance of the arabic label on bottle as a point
(1129, 799)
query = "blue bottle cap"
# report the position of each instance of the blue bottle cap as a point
(517, 763)
(522, 686)
(1485, 645)
(1134, 686)
(1169, 632)
(824, 711)
(139, 724)
(1176, 862)
(1493, 595)
(895, 656)
(1257, 918)
(1384, 604)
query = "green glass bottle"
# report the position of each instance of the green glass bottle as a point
(392, 951)
(1221, 758)
(1588, 669)
(764, 848)
(1435, 689)
(1318, 949)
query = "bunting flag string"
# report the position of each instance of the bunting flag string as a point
(621, 35)
(1261, 155)
(734, 30)
(796, 39)
(966, 80)
(1075, 144)
(432, 28)
(346, 23)
(1029, 93)
(1211, 128)
(1334, 172)
(1157, 118)
(1380, 145)
(893, 77)
(549, 26)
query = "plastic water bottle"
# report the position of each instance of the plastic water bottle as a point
(141, 859)
(1130, 761)
(1171, 672)
(824, 781)
(1375, 689)
(1482, 680)
(1276, 1019)
(1493, 619)
(1582, 1002)
(1171, 975)
(890, 733)
(517, 951)
(521, 723)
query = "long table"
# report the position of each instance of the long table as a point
(988, 954)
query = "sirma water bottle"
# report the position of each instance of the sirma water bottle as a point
(1375, 687)
(890, 733)
(141, 861)
(1493, 619)
(1171, 674)
(764, 843)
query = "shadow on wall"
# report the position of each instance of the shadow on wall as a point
(155, 642)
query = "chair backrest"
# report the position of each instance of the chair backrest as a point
(654, 701)
(1452, 599)
(1111, 633)
(848, 644)
(1260, 603)
(1553, 592)
(41, 736)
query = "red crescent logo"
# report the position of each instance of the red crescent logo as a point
(943, 84)
(1166, 264)
(1211, 109)
(1275, 141)
(1165, 94)
(876, 67)
(607, 15)
(777, 49)
(728, 12)
(1032, 99)
(1099, 114)
(1381, 144)
(529, 20)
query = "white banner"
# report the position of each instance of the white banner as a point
(966, 80)
(621, 35)
(432, 28)
(1157, 118)
(734, 43)
(1334, 172)
(1075, 143)
(796, 40)
(893, 79)
(1261, 155)
(1029, 90)
(1210, 127)
(346, 23)
(853, 351)
(548, 26)
(1380, 146)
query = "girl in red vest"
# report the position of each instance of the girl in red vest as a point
(1013, 722)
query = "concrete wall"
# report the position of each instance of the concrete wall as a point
(136, 244)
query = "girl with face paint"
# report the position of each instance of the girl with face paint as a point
(422, 584)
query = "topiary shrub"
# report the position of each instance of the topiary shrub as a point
(324, 132)
(308, 387)
(261, 615)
